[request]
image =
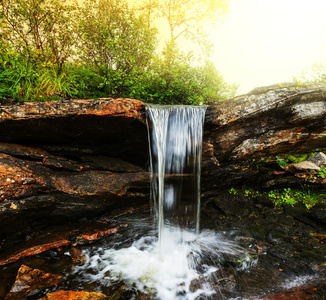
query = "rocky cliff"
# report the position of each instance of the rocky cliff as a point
(71, 162)
(67, 160)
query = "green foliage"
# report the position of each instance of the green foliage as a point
(281, 162)
(287, 196)
(321, 173)
(233, 191)
(52, 49)
(307, 196)
(39, 30)
(315, 74)
(113, 38)
(172, 79)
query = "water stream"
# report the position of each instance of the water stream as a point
(175, 136)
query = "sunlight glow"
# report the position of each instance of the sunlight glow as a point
(269, 41)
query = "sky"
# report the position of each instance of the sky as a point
(265, 42)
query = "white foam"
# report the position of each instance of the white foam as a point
(298, 281)
(167, 273)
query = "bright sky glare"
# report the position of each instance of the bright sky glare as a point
(264, 42)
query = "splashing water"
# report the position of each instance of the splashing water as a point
(185, 267)
(182, 263)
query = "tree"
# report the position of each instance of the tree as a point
(115, 41)
(181, 82)
(40, 30)
(186, 18)
(113, 37)
(315, 74)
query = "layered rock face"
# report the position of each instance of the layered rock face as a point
(62, 161)
(71, 159)
(268, 121)
(263, 123)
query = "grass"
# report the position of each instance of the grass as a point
(308, 196)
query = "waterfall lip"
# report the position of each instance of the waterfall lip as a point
(168, 106)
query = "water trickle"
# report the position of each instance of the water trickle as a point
(175, 136)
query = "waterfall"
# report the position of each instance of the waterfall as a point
(175, 146)
(182, 263)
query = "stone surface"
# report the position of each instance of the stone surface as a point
(100, 126)
(319, 212)
(54, 240)
(72, 295)
(29, 279)
(301, 293)
(318, 159)
(34, 190)
(306, 166)
(266, 121)
(244, 135)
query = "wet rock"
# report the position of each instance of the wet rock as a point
(108, 164)
(58, 238)
(90, 237)
(77, 255)
(305, 166)
(265, 122)
(26, 185)
(113, 127)
(23, 151)
(72, 295)
(34, 250)
(225, 285)
(318, 212)
(318, 159)
(302, 292)
(59, 163)
(20, 178)
(29, 280)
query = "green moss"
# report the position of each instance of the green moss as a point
(258, 231)
(313, 255)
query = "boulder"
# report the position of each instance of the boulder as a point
(73, 295)
(32, 190)
(267, 121)
(319, 159)
(29, 280)
(306, 166)
(242, 134)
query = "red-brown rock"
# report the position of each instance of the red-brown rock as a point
(112, 127)
(56, 239)
(300, 293)
(29, 279)
(20, 179)
(127, 108)
(71, 295)
(31, 251)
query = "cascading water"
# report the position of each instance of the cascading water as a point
(175, 261)
(175, 136)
